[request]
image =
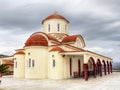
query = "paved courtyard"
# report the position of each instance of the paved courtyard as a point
(109, 82)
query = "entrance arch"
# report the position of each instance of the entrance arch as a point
(99, 67)
(93, 66)
(104, 67)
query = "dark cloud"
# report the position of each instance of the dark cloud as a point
(26, 17)
(97, 28)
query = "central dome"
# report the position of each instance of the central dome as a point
(55, 16)
(36, 40)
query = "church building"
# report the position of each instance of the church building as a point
(54, 54)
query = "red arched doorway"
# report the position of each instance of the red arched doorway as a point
(86, 69)
(94, 66)
(91, 67)
(104, 64)
(99, 67)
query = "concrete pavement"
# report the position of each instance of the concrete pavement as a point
(108, 82)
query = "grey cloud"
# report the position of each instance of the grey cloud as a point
(96, 27)
(113, 5)
(21, 20)
(28, 17)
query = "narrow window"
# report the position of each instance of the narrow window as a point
(29, 62)
(15, 64)
(48, 27)
(58, 27)
(33, 63)
(53, 63)
(70, 66)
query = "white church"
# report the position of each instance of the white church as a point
(54, 54)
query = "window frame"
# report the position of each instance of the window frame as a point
(33, 63)
(58, 27)
(29, 63)
(54, 63)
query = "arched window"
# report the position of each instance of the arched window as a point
(58, 27)
(33, 63)
(53, 63)
(29, 62)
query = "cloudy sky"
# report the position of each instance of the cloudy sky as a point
(98, 21)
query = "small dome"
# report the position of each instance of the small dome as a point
(56, 49)
(36, 40)
(55, 16)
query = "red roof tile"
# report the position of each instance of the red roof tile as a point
(70, 38)
(19, 49)
(36, 39)
(75, 48)
(55, 16)
(19, 52)
(52, 38)
(56, 49)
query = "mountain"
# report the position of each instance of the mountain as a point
(2, 55)
(116, 65)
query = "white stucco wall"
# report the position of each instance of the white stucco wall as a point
(56, 72)
(39, 55)
(19, 71)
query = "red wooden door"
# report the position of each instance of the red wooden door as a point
(70, 67)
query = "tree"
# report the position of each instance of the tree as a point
(3, 69)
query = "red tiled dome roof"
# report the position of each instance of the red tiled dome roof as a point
(55, 16)
(19, 52)
(57, 49)
(70, 38)
(36, 39)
